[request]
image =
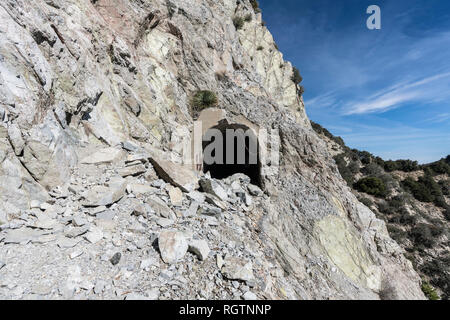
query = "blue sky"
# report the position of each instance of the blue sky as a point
(385, 91)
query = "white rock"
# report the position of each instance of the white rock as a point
(79, 221)
(149, 262)
(200, 248)
(75, 254)
(135, 296)
(196, 196)
(94, 234)
(164, 222)
(107, 155)
(219, 261)
(176, 196)
(237, 269)
(172, 245)
(35, 204)
(249, 296)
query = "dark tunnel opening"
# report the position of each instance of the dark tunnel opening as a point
(236, 150)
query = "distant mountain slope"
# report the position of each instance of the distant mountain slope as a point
(412, 199)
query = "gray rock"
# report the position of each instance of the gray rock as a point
(254, 190)
(103, 196)
(72, 232)
(132, 170)
(130, 146)
(209, 210)
(115, 259)
(160, 207)
(15, 137)
(213, 187)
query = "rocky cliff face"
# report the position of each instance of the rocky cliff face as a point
(91, 90)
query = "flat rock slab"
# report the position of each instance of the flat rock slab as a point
(172, 245)
(103, 195)
(138, 189)
(66, 243)
(107, 155)
(176, 174)
(22, 235)
(132, 170)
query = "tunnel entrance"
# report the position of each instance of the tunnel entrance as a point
(229, 149)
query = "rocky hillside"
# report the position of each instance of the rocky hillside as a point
(413, 200)
(95, 97)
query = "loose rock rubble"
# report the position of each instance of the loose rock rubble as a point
(104, 240)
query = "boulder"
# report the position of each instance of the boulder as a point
(237, 269)
(172, 246)
(176, 174)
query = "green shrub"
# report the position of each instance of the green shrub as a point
(401, 165)
(321, 130)
(372, 185)
(425, 235)
(403, 217)
(445, 187)
(345, 172)
(204, 99)
(255, 6)
(429, 291)
(260, 48)
(238, 22)
(366, 201)
(396, 233)
(296, 77)
(437, 271)
(439, 167)
(418, 190)
(248, 18)
(447, 213)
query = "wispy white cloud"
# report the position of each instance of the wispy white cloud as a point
(399, 94)
(440, 118)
